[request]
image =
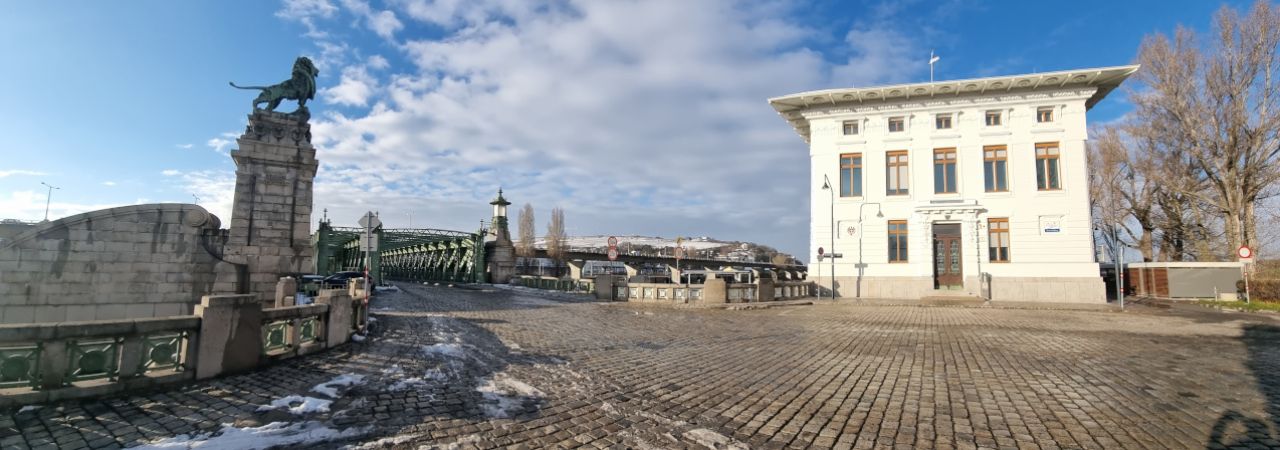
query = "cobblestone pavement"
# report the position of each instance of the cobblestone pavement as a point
(457, 368)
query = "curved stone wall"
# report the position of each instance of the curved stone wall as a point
(129, 262)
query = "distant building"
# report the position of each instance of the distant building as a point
(937, 183)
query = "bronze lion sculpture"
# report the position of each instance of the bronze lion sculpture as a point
(301, 87)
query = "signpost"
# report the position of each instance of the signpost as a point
(368, 243)
(613, 249)
(1246, 256)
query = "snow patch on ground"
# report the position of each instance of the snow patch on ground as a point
(445, 350)
(330, 388)
(386, 288)
(384, 442)
(714, 440)
(303, 405)
(504, 395)
(357, 338)
(256, 438)
(29, 408)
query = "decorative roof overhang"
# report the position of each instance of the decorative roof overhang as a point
(1104, 79)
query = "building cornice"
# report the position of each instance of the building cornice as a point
(1101, 81)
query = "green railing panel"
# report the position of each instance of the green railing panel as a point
(93, 359)
(309, 330)
(275, 336)
(19, 366)
(162, 352)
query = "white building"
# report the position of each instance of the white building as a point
(930, 185)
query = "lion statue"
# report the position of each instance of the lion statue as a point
(301, 87)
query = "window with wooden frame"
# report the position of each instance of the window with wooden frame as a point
(897, 124)
(995, 163)
(942, 121)
(897, 241)
(850, 127)
(998, 240)
(1044, 115)
(944, 171)
(993, 118)
(1047, 176)
(897, 174)
(851, 175)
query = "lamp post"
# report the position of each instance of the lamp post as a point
(47, 198)
(861, 265)
(826, 185)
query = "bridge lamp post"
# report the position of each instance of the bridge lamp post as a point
(47, 198)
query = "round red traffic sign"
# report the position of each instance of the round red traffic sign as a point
(819, 250)
(613, 241)
(613, 253)
(1244, 252)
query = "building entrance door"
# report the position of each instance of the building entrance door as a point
(946, 257)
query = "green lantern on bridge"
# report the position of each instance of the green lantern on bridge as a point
(500, 216)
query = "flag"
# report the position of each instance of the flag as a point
(933, 59)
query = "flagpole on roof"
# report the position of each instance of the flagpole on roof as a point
(932, 59)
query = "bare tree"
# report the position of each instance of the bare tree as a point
(1213, 109)
(556, 242)
(527, 233)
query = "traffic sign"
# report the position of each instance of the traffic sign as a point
(613, 253)
(369, 242)
(613, 241)
(1244, 252)
(820, 251)
(370, 221)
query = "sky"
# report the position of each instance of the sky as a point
(635, 117)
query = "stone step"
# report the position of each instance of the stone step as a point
(952, 299)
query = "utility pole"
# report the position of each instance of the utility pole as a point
(47, 199)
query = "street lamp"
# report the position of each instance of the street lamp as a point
(826, 185)
(47, 198)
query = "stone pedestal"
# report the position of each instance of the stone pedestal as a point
(271, 215)
(230, 334)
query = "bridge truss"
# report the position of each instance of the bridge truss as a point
(410, 254)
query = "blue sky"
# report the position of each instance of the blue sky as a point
(635, 117)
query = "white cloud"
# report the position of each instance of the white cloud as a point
(108, 183)
(9, 173)
(170, 172)
(377, 62)
(638, 117)
(307, 12)
(222, 142)
(216, 190)
(184, 146)
(30, 205)
(354, 90)
(384, 23)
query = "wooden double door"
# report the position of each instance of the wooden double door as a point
(947, 272)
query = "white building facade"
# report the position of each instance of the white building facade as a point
(926, 189)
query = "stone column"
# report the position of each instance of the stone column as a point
(338, 328)
(230, 334)
(715, 290)
(271, 213)
(575, 269)
(286, 292)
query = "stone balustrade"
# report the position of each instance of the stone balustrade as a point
(711, 291)
(228, 334)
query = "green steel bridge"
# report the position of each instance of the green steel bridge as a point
(410, 254)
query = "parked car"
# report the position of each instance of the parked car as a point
(310, 284)
(339, 279)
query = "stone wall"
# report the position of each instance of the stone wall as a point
(127, 262)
